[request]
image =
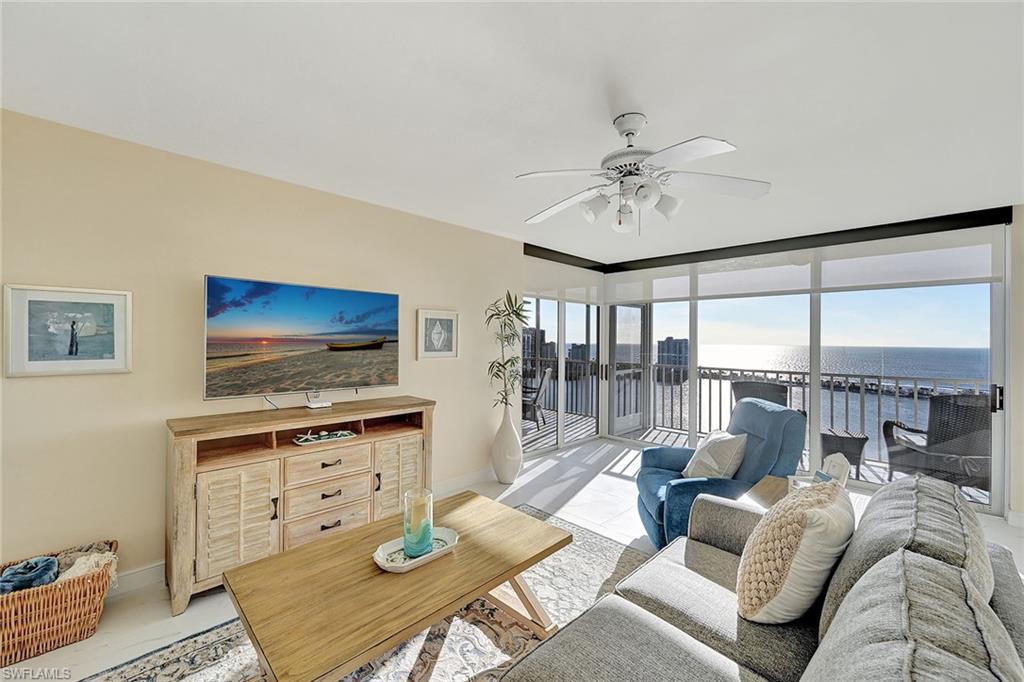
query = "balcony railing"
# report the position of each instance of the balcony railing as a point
(581, 383)
(849, 401)
(852, 402)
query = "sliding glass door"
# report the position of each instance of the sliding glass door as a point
(629, 389)
(581, 385)
(540, 375)
(908, 377)
(561, 384)
(670, 373)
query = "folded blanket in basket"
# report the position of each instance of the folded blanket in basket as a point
(41, 570)
(68, 557)
(92, 562)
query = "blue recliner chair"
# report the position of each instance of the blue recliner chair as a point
(775, 441)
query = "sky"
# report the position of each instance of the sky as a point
(245, 309)
(954, 316)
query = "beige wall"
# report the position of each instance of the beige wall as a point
(85, 453)
(1015, 367)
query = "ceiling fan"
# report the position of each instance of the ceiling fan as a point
(637, 177)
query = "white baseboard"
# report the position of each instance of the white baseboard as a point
(1015, 518)
(138, 578)
(459, 483)
(154, 573)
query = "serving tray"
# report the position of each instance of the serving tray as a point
(309, 438)
(391, 555)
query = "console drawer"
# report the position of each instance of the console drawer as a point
(328, 523)
(326, 494)
(326, 464)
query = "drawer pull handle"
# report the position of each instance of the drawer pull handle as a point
(377, 489)
(324, 465)
(328, 526)
(273, 501)
(327, 496)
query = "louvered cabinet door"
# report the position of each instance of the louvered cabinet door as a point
(411, 453)
(387, 471)
(236, 516)
(397, 466)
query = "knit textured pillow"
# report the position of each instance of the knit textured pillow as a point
(791, 552)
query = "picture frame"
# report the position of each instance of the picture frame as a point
(437, 332)
(52, 331)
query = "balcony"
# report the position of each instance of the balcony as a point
(857, 408)
(580, 402)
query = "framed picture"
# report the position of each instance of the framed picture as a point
(54, 330)
(438, 332)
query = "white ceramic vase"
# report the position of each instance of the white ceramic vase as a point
(507, 450)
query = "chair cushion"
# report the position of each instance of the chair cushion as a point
(911, 617)
(651, 483)
(616, 640)
(1008, 595)
(691, 585)
(922, 514)
(718, 455)
(775, 438)
(792, 551)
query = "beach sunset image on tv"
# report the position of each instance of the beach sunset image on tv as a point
(264, 338)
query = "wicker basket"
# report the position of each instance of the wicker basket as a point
(39, 619)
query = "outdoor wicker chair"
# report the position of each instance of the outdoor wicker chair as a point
(766, 390)
(533, 397)
(957, 444)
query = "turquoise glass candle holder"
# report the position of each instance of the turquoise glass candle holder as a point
(418, 528)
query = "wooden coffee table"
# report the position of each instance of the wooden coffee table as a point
(320, 611)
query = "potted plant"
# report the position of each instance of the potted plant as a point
(505, 317)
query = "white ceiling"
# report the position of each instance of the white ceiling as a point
(858, 113)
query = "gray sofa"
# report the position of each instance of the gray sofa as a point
(907, 601)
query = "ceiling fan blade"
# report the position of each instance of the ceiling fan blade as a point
(566, 203)
(720, 184)
(689, 150)
(554, 173)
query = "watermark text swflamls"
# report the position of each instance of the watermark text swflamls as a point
(26, 673)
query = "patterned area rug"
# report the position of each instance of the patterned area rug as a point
(480, 642)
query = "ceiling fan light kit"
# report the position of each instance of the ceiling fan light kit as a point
(668, 206)
(593, 208)
(641, 176)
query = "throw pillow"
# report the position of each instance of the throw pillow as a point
(718, 455)
(792, 551)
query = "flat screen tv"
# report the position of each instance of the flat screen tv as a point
(267, 338)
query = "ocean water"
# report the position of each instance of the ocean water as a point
(948, 363)
(945, 363)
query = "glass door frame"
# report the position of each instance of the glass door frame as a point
(646, 387)
(560, 379)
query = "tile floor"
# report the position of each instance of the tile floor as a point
(590, 484)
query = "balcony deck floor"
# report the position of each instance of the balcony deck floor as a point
(577, 426)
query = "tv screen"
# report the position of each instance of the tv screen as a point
(265, 338)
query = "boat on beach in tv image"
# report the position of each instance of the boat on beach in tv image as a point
(264, 338)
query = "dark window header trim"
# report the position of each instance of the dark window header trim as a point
(1002, 215)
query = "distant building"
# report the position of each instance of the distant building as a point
(533, 339)
(579, 351)
(673, 351)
